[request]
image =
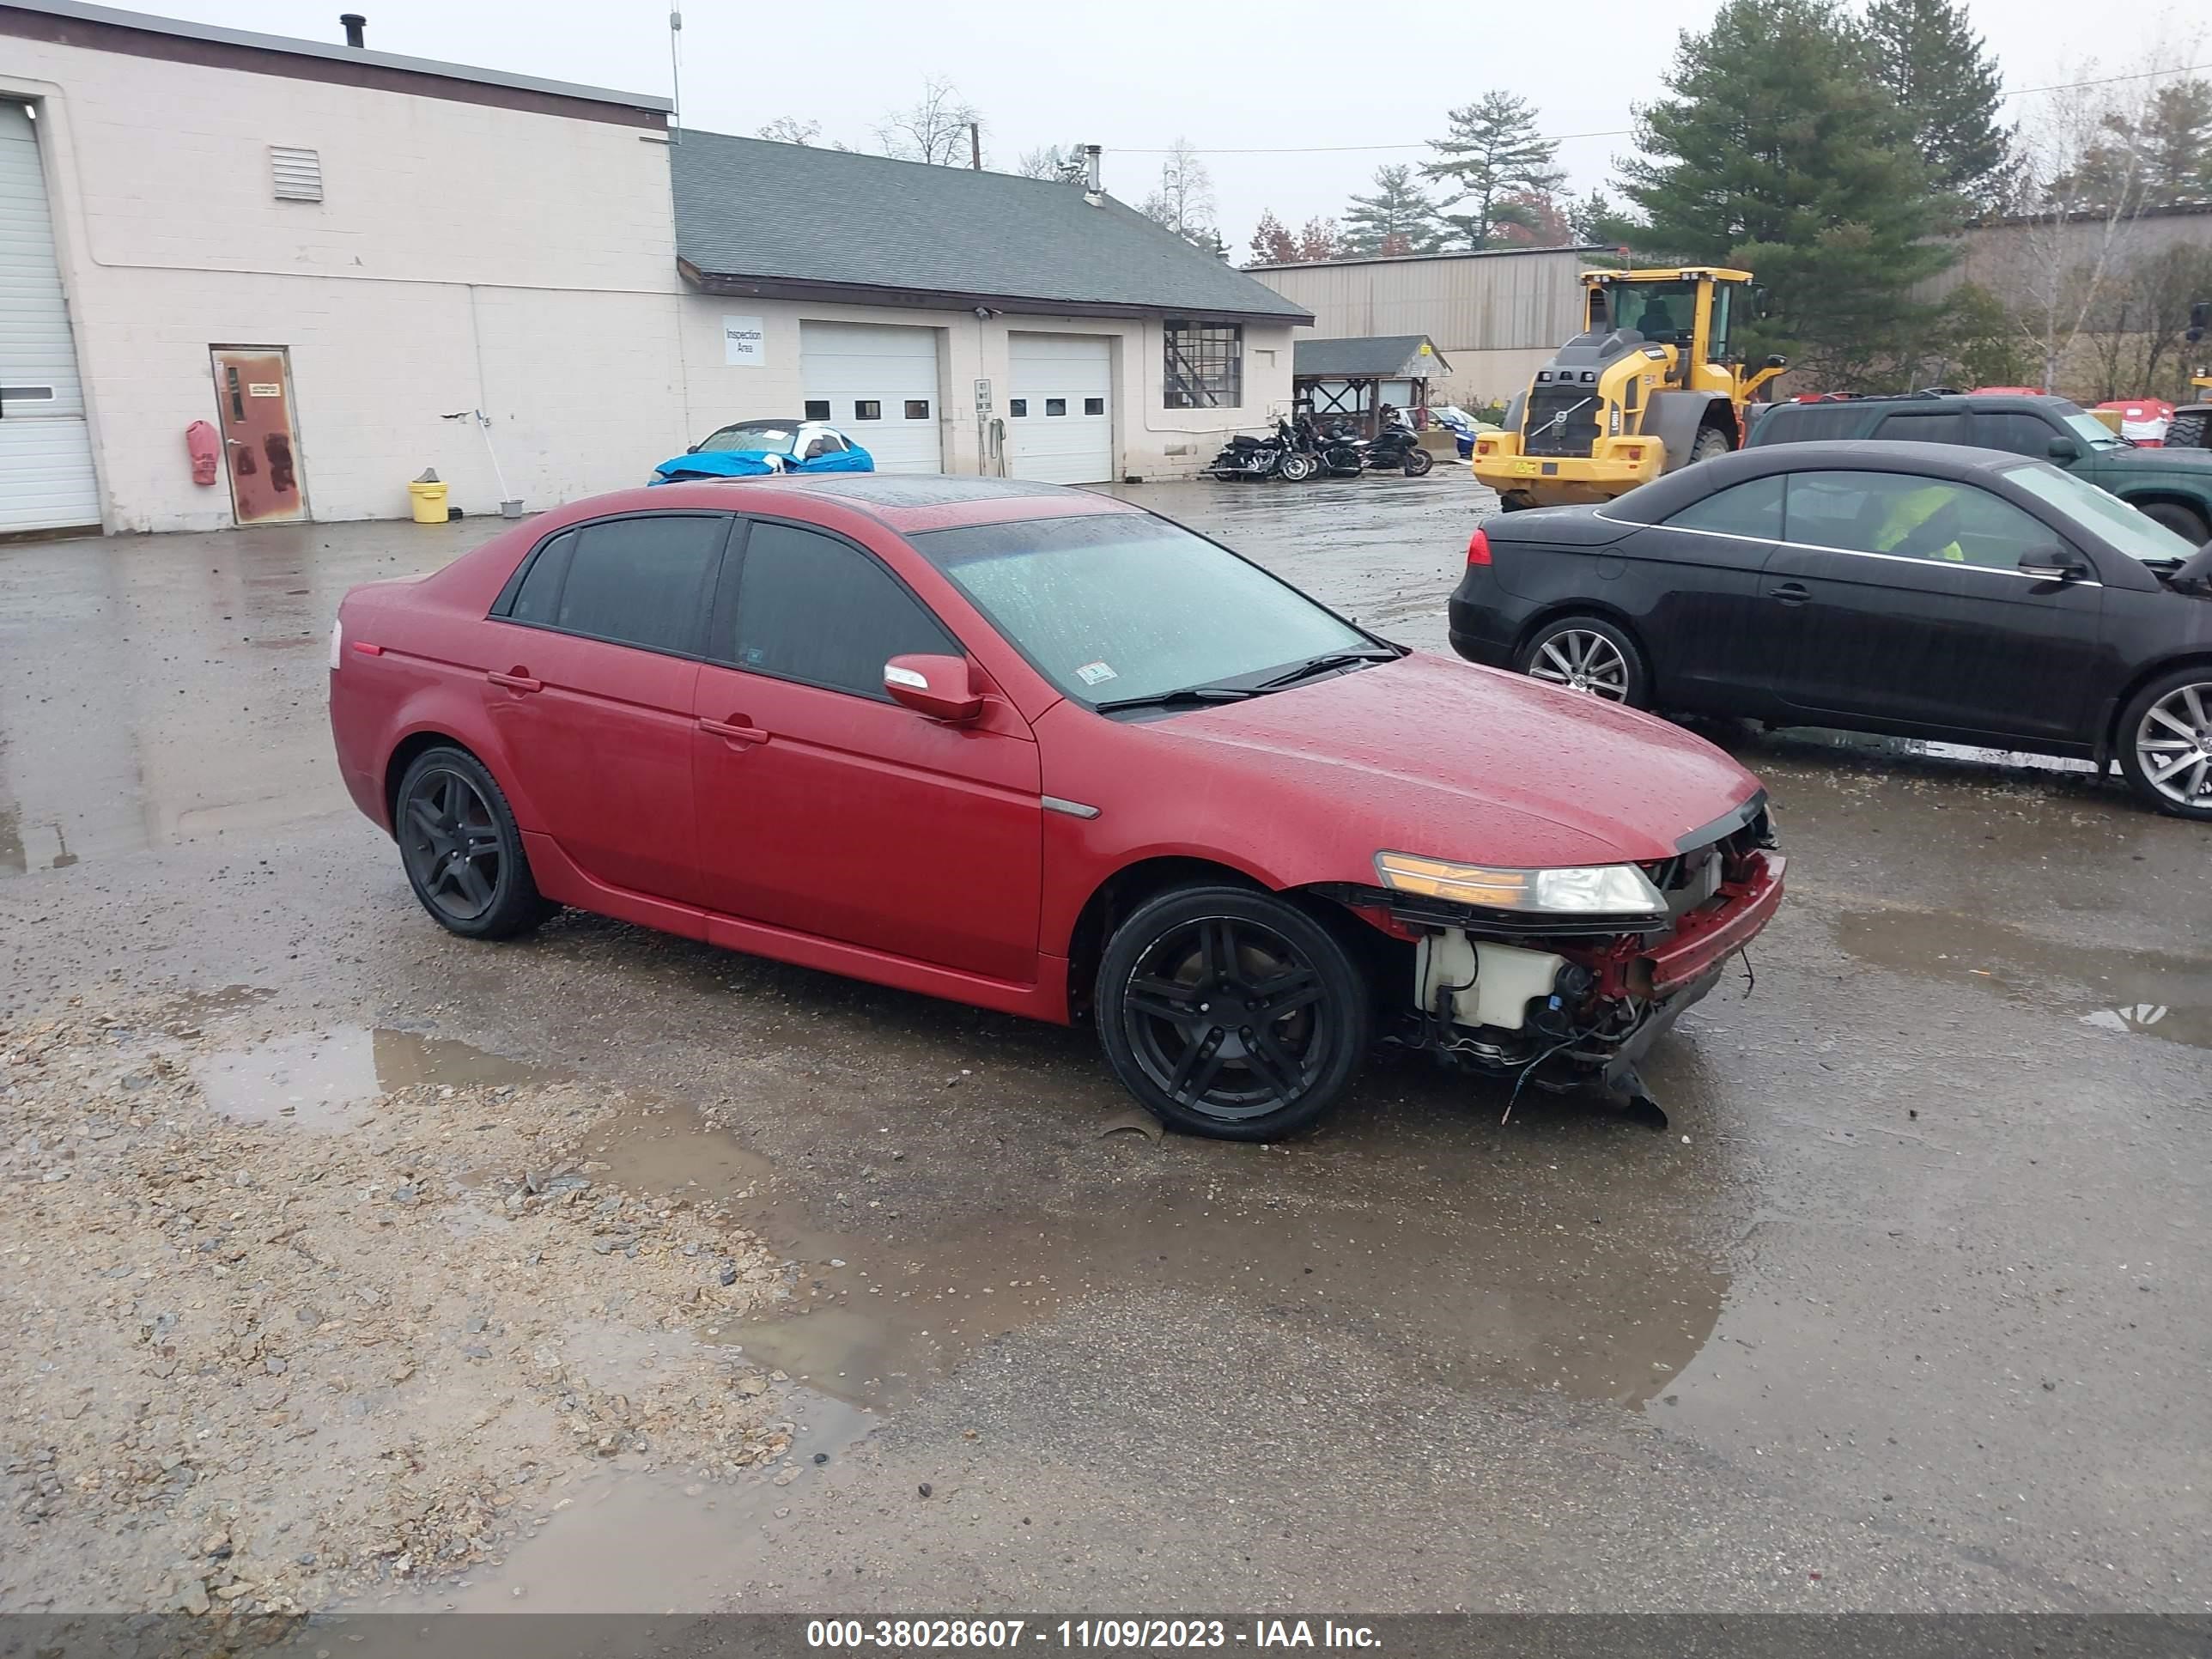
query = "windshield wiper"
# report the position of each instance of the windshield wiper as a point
(1182, 697)
(1332, 659)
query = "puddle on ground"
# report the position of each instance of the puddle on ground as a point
(2149, 992)
(632, 1541)
(327, 1080)
(1554, 1302)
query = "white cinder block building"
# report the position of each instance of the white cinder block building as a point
(323, 253)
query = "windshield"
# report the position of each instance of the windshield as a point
(1662, 313)
(2087, 428)
(774, 436)
(1126, 605)
(2107, 517)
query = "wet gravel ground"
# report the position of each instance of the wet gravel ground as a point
(1905, 1310)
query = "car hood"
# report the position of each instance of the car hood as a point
(2156, 457)
(1432, 756)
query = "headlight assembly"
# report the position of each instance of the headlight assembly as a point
(1594, 890)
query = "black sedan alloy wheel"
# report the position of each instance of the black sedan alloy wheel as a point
(462, 851)
(452, 844)
(1230, 1012)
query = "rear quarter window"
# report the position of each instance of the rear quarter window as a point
(1810, 423)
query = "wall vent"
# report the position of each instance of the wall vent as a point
(297, 174)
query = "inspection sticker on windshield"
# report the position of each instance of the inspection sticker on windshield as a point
(1095, 673)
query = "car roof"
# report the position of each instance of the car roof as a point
(1669, 493)
(909, 502)
(1888, 402)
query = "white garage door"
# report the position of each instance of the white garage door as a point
(45, 447)
(877, 384)
(1059, 420)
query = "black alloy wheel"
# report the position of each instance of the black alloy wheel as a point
(1231, 1012)
(462, 851)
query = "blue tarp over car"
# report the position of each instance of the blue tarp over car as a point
(754, 449)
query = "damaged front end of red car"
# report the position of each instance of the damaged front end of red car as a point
(1508, 983)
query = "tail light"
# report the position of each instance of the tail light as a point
(1633, 452)
(1478, 547)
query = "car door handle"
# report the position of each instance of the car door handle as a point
(515, 682)
(1790, 593)
(735, 729)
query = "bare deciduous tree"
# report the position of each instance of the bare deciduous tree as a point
(1184, 201)
(934, 128)
(2081, 194)
(790, 130)
(1062, 163)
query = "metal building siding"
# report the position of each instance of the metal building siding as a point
(1473, 302)
(46, 478)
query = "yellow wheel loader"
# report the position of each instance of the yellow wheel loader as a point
(1653, 383)
(2191, 426)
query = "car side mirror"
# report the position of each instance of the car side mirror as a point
(1775, 359)
(2065, 449)
(939, 687)
(2052, 564)
(692, 450)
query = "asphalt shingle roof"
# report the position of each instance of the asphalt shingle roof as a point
(1389, 355)
(791, 213)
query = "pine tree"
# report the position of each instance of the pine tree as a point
(1493, 152)
(2175, 139)
(1590, 218)
(1927, 56)
(1398, 218)
(1777, 151)
(1273, 243)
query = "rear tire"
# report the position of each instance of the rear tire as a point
(1712, 442)
(2166, 743)
(2183, 521)
(1418, 461)
(1230, 1012)
(2187, 430)
(1588, 654)
(462, 850)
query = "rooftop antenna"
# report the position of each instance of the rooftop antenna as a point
(675, 78)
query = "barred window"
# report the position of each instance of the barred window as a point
(1204, 365)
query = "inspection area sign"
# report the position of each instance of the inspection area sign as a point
(745, 342)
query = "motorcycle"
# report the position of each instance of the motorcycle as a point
(1275, 457)
(1335, 452)
(1397, 448)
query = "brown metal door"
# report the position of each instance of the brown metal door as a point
(260, 445)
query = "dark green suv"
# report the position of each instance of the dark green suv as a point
(2174, 486)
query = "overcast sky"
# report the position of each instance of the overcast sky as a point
(1136, 75)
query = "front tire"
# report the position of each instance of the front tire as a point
(1297, 468)
(1418, 461)
(2187, 430)
(462, 850)
(1230, 1012)
(1588, 654)
(2184, 522)
(1710, 441)
(2166, 743)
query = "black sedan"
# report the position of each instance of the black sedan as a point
(1922, 590)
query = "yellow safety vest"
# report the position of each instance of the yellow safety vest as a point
(1908, 513)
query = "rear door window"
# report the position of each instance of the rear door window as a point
(815, 609)
(1927, 427)
(640, 581)
(1753, 509)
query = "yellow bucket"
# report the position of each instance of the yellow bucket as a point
(429, 500)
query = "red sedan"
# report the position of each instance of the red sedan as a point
(1040, 750)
